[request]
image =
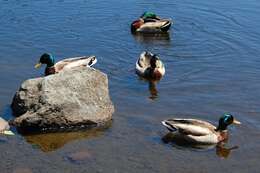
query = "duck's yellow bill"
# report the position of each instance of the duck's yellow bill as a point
(236, 122)
(38, 65)
(8, 132)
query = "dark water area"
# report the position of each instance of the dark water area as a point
(212, 64)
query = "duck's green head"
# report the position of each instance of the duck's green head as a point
(47, 59)
(226, 120)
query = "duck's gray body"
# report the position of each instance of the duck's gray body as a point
(75, 62)
(193, 130)
(198, 131)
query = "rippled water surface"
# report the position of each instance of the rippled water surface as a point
(212, 66)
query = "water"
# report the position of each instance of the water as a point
(212, 67)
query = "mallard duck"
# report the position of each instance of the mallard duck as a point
(198, 131)
(149, 66)
(150, 23)
(4, 127)
(68, 63)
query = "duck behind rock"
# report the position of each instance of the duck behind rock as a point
(198, 131)
(4, 127)
(68, 63)
(150, 66)
(150, 23)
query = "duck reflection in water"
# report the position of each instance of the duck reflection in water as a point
(151, 87)
(149, 67)
(222, 150)
(152, 37)
(153, 90)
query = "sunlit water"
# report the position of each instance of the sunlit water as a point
(212, 66)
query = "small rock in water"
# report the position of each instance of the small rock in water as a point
(79, 156)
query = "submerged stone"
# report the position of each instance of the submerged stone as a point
(79, 156)
(74, 98)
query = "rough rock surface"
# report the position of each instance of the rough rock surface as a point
(77, 97)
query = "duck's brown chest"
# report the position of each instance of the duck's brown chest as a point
(223, 136)
(156, 75)
(49, 71)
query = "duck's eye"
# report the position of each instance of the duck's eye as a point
(227, 119)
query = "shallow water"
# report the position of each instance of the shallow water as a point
(212, 67)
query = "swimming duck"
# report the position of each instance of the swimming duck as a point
(198, 131)
(4, 127)
(150, 66)
(68, 63)
(150, 23)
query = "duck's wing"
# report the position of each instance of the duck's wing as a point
(142, 63)
(160, 67)
(211, 138)
(150, 20)
(156, 24)
(140, 66)
(75, 62)
(189, 126)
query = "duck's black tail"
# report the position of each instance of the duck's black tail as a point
(169, 126)
(92, 61)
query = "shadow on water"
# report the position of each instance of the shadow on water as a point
(222, 150)
(152, 37)
(48, 142)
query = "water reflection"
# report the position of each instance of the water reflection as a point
(222, 150)
(152, 37)
(52, 141)
(153, 90)
(151, 87)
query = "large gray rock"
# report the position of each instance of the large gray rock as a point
(77, 97)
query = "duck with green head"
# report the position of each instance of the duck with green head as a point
(199, 131)
(52, 67)
(149, 22)
(149, 66)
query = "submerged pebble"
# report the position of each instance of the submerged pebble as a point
(79, 156)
